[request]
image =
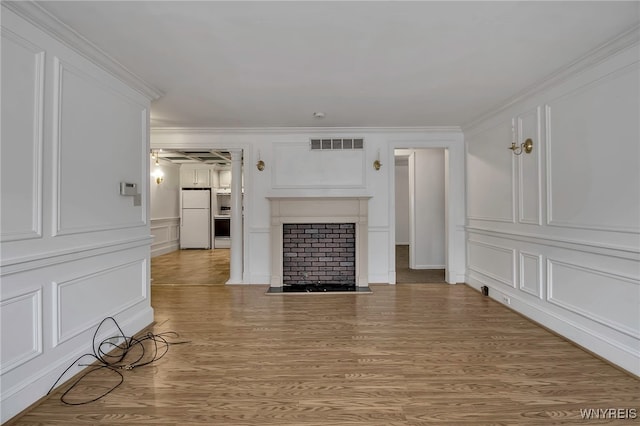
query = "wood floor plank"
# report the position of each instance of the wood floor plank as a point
(407, 355)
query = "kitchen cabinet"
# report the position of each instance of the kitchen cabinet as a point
(195, 178)
(224, 177)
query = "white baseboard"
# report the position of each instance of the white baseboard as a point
(164, 249)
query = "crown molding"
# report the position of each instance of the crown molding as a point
(622, 41)
(326, 131)
(41, 18)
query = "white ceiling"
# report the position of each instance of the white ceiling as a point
(272, 64)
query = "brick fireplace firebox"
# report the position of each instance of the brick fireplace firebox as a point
(319, 253)
(347, 216)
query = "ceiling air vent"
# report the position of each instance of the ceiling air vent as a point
(336, 144)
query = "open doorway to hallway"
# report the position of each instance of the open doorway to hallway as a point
(197, 252)
(420, 215)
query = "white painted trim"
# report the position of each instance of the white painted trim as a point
(41, 18)
(491, 275)
(168, 245)
(38, 139)
(538, 157)
(549, 163)
(582, 312)
(538, 258)
(36, 350)
(276, 187)
(55, 257)
(626, 39)
(60, 67)
(595, 247)
(343, 131)
(57, 336)
(430, 267)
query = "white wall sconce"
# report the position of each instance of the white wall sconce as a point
(526, 146)
(376, 163)
(260, 163)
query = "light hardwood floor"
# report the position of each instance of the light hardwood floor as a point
(406, 275)
(204, 267)
(405, 355)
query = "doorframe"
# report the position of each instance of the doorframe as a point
(247, 158)
(454, 184)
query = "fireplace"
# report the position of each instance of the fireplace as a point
(319, 255)
(319, 241)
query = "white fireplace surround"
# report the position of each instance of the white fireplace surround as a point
(320, 210)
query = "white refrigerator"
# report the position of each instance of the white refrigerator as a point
(195, 219)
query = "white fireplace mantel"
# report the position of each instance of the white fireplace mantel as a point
(320, 210)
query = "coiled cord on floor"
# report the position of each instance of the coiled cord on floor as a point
(116, 353)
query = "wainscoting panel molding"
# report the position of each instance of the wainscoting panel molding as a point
(21, 324)
(531, 273)
(75, 122)
(593, 177)
(166, 235)
(490, 193)
(608, 298)
(493, 261)
(296, 166)
(529, 169)
(116, 288)
(22, 120)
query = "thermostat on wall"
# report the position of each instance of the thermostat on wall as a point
(127, 188)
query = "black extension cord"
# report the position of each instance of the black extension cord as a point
(114, 357)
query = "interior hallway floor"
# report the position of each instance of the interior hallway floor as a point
(406, 275)
(194, 267)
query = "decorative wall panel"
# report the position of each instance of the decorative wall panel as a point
(21, 139)
(296, 166)
(84, 117)
(493, 261)
(116, 288)
(490, 191)
(529, 169)
(21, 325)
(531, 273)
(605, 297)
(592, 154)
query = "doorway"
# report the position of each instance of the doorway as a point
(176, 173)
(420, 215)
(452, 142)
